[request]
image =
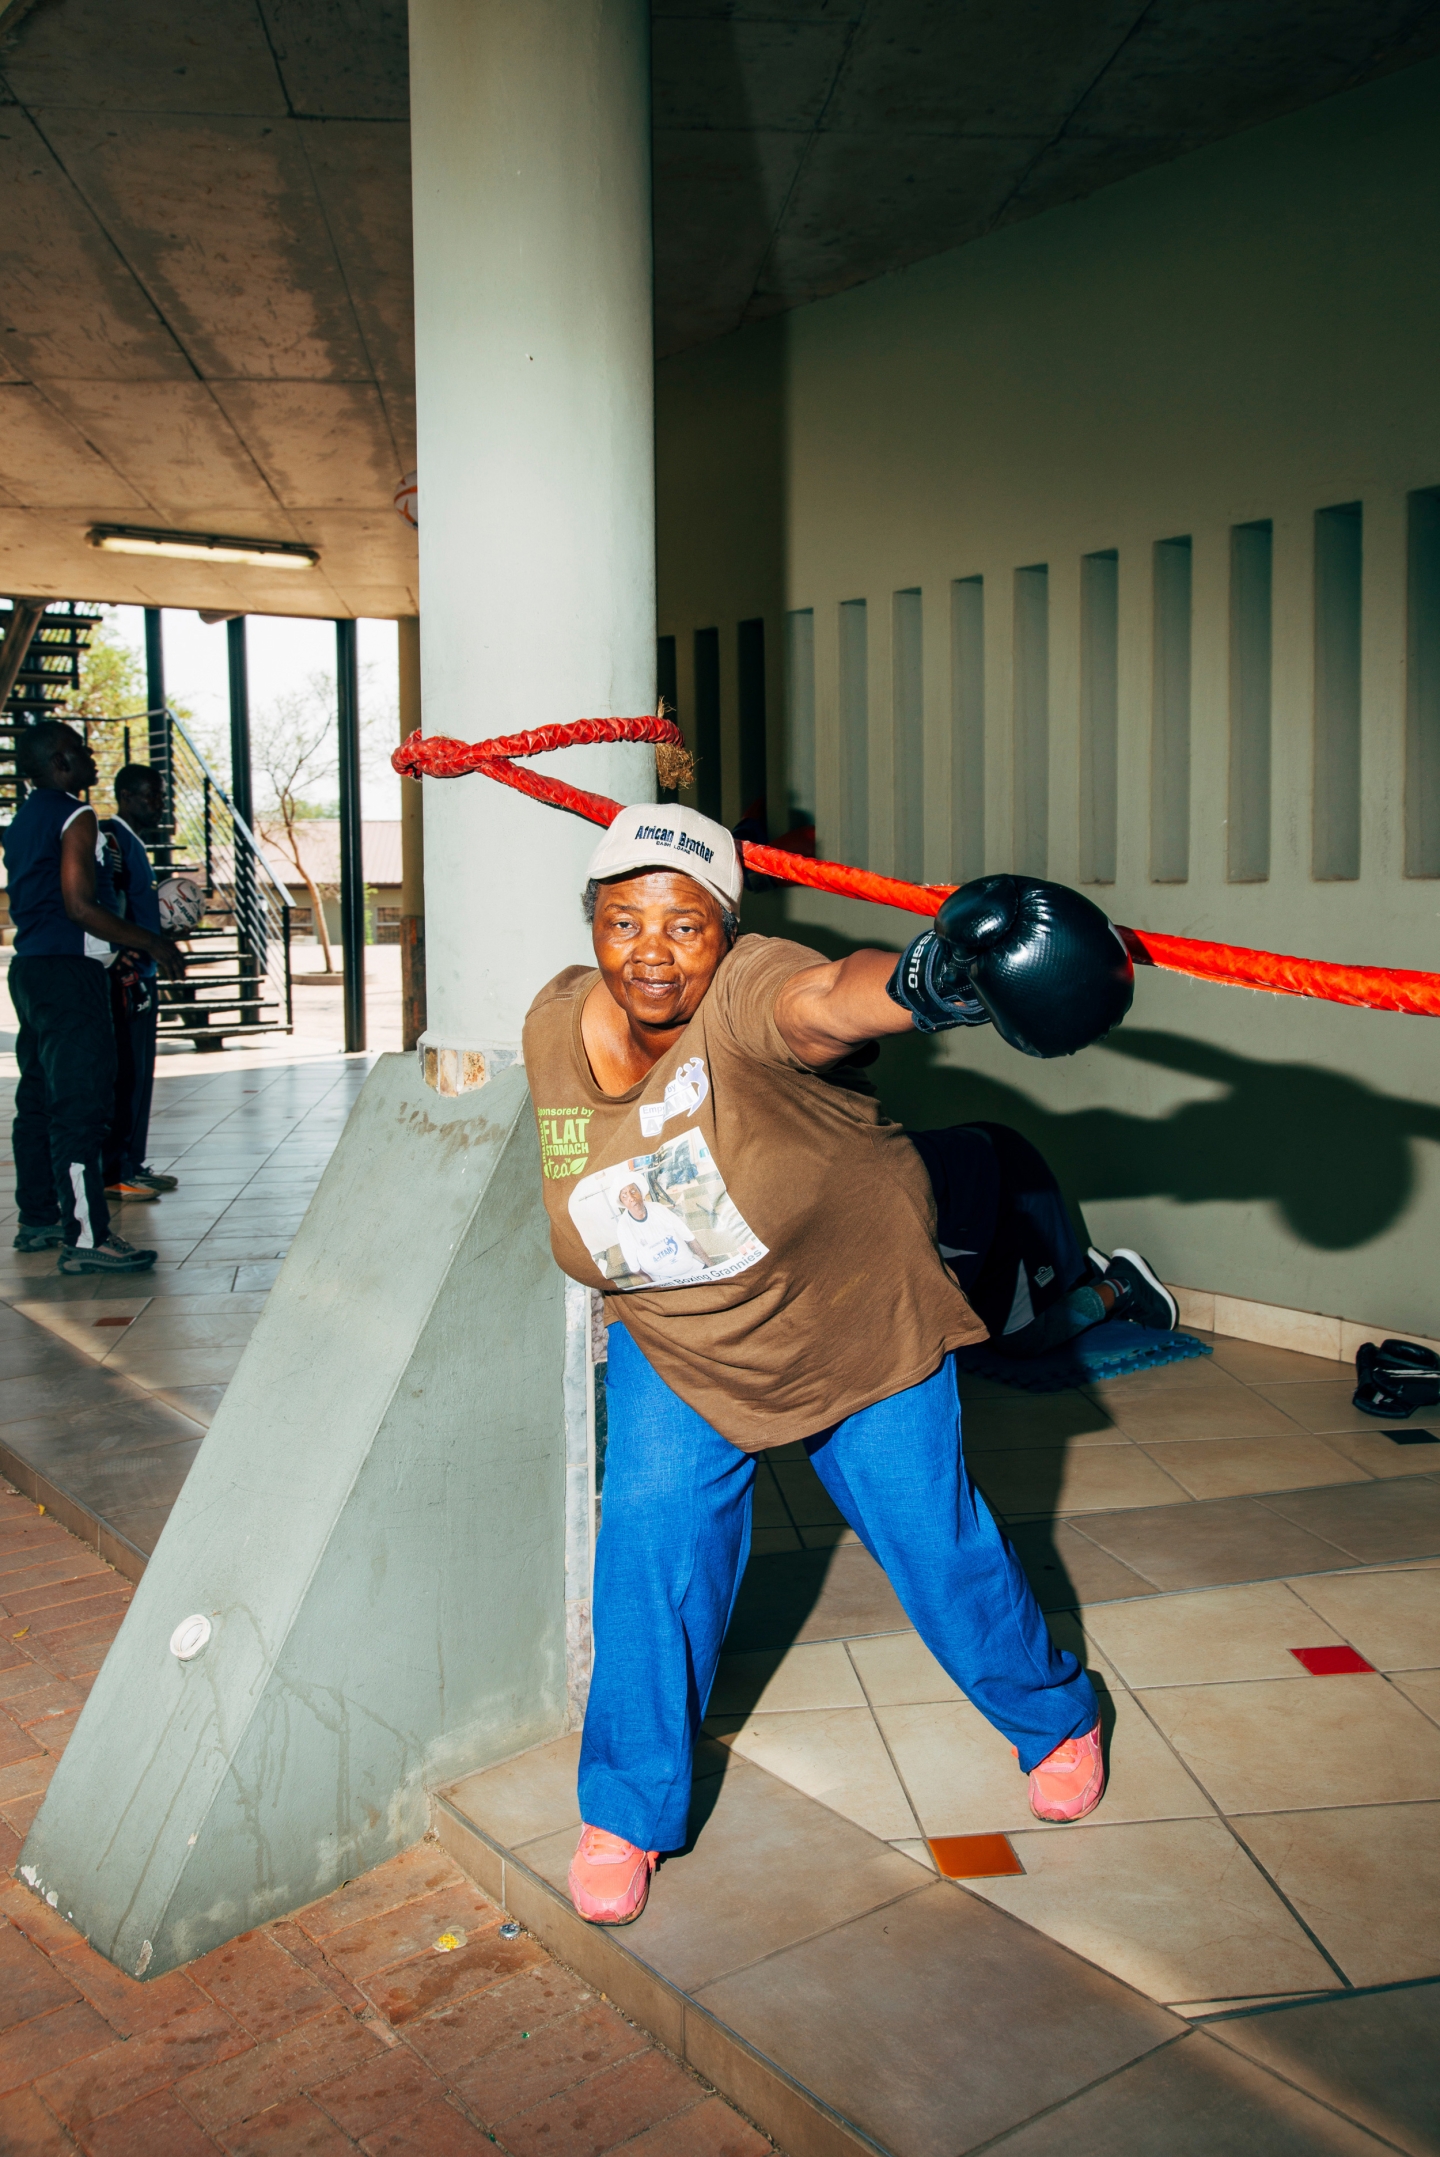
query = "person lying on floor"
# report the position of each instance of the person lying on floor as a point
(1004, 1231)
(685, 1076)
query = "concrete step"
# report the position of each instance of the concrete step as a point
(831, 1987)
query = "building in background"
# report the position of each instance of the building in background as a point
(318, 839)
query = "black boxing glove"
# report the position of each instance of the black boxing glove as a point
(1046, 963)
(930, 982)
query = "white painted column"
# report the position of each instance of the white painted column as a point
(534, 372)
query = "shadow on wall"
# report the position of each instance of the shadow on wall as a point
(1334, 1156)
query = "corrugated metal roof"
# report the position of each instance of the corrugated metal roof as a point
(319, 840)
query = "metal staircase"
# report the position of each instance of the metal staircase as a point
(238, 981)
(51, 639)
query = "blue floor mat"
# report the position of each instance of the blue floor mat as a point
(1107, 1351)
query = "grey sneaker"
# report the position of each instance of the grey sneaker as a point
(1143, 1295)
(156, 1179)
(45, 1237)
(114, 1255)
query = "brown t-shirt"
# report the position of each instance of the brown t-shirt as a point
(765, 1233)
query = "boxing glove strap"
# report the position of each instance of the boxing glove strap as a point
(930, 983)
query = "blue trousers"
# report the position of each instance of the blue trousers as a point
(674, 1538)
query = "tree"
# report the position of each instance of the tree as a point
(294, 756)
(293, 752)
(110, 703)
(112, 678)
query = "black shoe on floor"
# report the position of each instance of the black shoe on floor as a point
(114, 1255)
(1143, 1297)
(156, 1178)
(46, 1236)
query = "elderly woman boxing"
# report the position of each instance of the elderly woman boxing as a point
(765, 1241)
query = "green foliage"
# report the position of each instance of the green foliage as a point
(112, 678)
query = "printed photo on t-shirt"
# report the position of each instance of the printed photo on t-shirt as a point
(664, 1219)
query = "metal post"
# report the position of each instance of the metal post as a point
(154, 661)
(352, 867)
(250, 942)
(161, 760)
(241, 785)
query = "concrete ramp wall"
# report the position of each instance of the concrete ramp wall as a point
(374, 1530)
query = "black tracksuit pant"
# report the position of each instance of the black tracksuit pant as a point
(66, 1095)
(128, 1138)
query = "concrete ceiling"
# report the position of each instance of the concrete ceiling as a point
(205, 309)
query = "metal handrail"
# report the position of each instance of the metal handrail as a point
(168, 712)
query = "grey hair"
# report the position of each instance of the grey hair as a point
(729, 922)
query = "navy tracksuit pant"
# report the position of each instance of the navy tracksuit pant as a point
(66, 1095)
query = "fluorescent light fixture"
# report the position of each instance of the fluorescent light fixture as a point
(202, 547)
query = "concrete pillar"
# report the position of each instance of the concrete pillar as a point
(534, 371)
(367, 1586)
(412, 847)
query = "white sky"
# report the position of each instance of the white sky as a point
(283, 653)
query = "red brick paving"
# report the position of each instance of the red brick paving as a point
(341, 2028)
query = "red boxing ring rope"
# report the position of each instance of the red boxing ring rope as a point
(434, 756)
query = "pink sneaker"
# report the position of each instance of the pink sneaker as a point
(1069, 1782)
(609, 1877)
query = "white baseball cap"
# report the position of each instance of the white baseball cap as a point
(662, 835)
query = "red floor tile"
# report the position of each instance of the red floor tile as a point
(396, 1935)
(437, 2129)
(610, 2109)
(55, 1732)
(315, 2052)
(296, 2128)
(30, 1984)
(28, 2129)
(15, 1743)
(25, 1602)
(19, 1813)
(42, 1696)
(974, 1857)
(413, 1988)
(452, 2037)
(193, 2037)
(710, 2130)
(159, 2126)
(401, 1879)
(22, 1778)
(527, 2071)
(1331, 1662)
(78, 1609)
(129, 2007)
(370, 2096)
(48, 2042)
(301, 1948)
(259, 1984)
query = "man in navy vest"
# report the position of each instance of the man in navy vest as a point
(140, 801)
(62, 902)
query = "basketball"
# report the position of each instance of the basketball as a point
(182, 903)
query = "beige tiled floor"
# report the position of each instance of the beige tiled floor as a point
(249, 1140)
(1264, 1833)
